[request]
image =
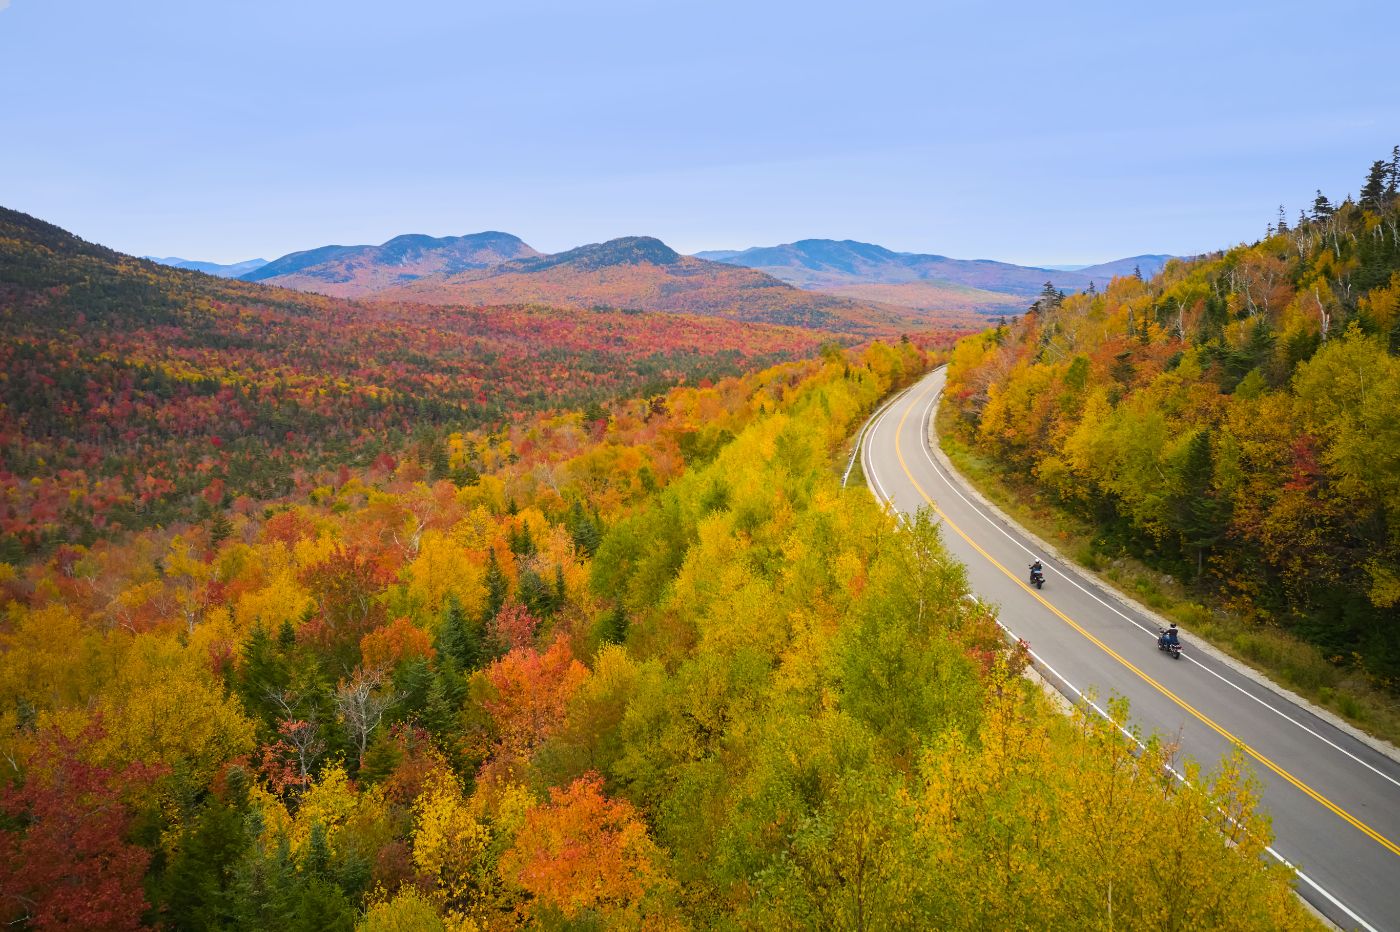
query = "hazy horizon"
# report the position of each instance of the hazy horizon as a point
(1025, 134)
(1055, 267)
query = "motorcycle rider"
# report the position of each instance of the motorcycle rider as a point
(1169, 637)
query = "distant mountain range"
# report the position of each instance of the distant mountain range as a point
(643, 273)
(824, 263)
(232, 270)
(841, 284)
(354, 271)
(1148, 264)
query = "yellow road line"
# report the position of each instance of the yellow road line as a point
(1365, 829)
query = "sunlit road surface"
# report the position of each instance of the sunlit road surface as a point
(1334, 800)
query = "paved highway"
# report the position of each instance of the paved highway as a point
(1334, 799)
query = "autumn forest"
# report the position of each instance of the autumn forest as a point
(329, 613)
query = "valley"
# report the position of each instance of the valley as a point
(570, 467)
(136, 395)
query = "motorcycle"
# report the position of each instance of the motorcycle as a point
(1037, 577)
(1171, 647)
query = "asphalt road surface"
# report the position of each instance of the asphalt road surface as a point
(1334, 800)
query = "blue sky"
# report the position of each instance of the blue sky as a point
(1027, 132)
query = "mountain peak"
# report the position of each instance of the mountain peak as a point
(458, 252)
(348, 271)
(829, 263)
(625, 250)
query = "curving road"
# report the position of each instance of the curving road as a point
(1335, 800)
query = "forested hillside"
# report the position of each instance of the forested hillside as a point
(1235, 420)
(134, 395)
(642, 668)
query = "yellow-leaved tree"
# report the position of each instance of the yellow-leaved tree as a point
(165, 707)
(449, 842)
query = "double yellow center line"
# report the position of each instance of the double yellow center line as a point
(1362, 827)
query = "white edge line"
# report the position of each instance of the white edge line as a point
(859, 450)
(873, 480)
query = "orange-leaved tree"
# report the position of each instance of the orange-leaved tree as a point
(583, 852)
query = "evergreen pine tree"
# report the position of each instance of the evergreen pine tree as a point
(1322, 208)
(451, 632)
(497, 588)
(382, 757)
(318, 851)
(453, 684)
(1215, 316)
(439, 462)
(412, 680)
(459, 641)
(197, 887)
(1198, 511)
(319, 905)
(11, 549)
(264, 886)
(1373, 191)
(1282, 220)
(534, 593)
(594, 412)
(439, 715)
(1123, 370)
(522, 542)
(263, 673)
(583, 529)
(465, 474)
(219, 528)
(474, 650)
(613, 627)
(1257, 352)
(1392, 185)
